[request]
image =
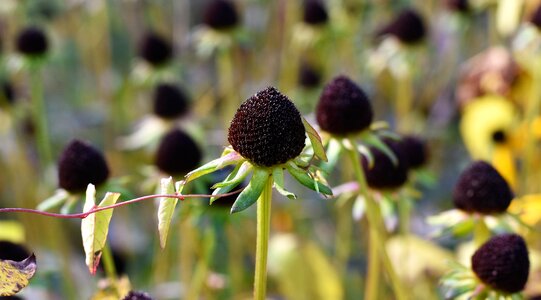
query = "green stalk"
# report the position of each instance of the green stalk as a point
(262, 244)
(374, 268)
(481, 233)
(226, 84)
(202, 268)
(404, 215)
(39, 116)
(108, 263)
(378, 235)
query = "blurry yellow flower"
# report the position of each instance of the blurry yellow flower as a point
(486, 127)
(528, 208)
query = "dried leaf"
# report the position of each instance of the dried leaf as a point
(14, 275)
(166, 209)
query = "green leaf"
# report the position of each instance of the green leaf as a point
(55, 200)
(303, 178)
(14, 275)
(226, 188)
(375, 142)
(227, 159)
(334, 148)
(166, 209)
(315, 140)
(95, 227)
(366, 153)
(251, 193)
(278, 176)
(240, 175)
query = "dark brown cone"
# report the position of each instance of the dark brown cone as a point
(155, 49)
(170, 102)
(384, 174)
(408, 27)
(32, 41)
(177, 153)
(314, 12)
(221, 15)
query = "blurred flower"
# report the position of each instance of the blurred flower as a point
(462, 6)
(155, 50)
(170, 102)
(384, 173)
(32, 41)
(408, 27)
(528, 208)
(314, 13)
(177, 153)
(309, 76)
(221, 15)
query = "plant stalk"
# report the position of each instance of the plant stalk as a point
(262, 244)
(108, 263)
(39, 116)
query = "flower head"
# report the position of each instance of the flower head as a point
(343, 108)
(32, 41)
(408, 27)
(314, 12)
(384, 173)
(536, 17)
(170, 102)
(221, 15)
(503, 263)
(309, 76)
(12, 251)
(462, 6)
(177, 153)
(267, 129)
(155, 49)
(415, 150)
(481, 189)
(81, 164)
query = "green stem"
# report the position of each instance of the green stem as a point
(404, 209)
(108, 263)
(226, 84)
(374, 267)
(202, 268)
(481, 233)
(262, 244)
(39, 116)
(378, 234)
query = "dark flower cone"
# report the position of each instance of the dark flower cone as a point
(221, 15)
(415, 150)
(408, 27)
(462, 6)
(343, 108)
(12, 251)
(536, 17)
(155, 49)
(267, 129)
(170, 102)
(503, 263)
(177, 153)
(384, 174)
(309, 77)
(481, 189)
(136, 295)
(79, 165)
(32, 41)
(314, 12)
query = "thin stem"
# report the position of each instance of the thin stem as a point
(374, 267)
(404, 214)
(375, 221)
(262, 244)
(481, 233)
(108, 263)
(39, 116)
(227, 84)
(98, 209)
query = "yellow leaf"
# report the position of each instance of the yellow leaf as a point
(14, 276)
(166, 209)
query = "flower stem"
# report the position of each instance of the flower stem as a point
(378, 235)
(481, 233)
(262, 244)
(39, 117)
(108, 263)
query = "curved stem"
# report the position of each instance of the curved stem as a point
(108, 263)
(39, 117)
(262, 245)
(379, 235)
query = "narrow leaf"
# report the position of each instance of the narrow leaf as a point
(374, 141)
(251, 193)
(166, 209)
(226, 188)
(228, 159)
(366, 153)
(278, 176)
(14, 275)
(240, 175)
(55, 200)
(303, 178)
(95, 227)
(315, 140)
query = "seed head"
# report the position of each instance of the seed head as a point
(137, 295)
(79, 165)
(415, 150)
(267, 129)
(384, 174)
(503, 263)
(155, 49)
(408, 27)
(177, 153)
(314, 13)
(481, 189)
(169, 101)
(343, 107)
(309, 77)
(461, 6)
(32, 41)
(221, 15)
(12, 251)
(536, 17)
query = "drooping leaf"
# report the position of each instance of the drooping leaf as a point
(166, 209)
(366, 153)
(95, 227)
(375, 142)
(15, 275)
(243, 171)
(227, 159)
(59, 197)
(278, 176)
(226, 188)
(315, 140)
(251, 193)
(303, 178)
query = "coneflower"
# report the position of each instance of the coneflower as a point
(462, 6)
(32, 41)
(79, 165)
(155, 49)
(343, 108)
(502, 263)
(137, 295)
(170, 102)
(221, 15)
(309, 76)
(481, 189)
(177, 153)
(314, 12)
(408, 27)
(415, 150)
(13, 251)
(386, 173)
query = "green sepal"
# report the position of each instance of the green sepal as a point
(278, 176)
(366, 153)
(334, 148)
(375, 142)
(226, 188)
(251, 193)
(219, 163)
(303, 178)
(243, 171)
(315, 140)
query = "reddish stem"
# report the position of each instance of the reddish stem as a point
(98, 209)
